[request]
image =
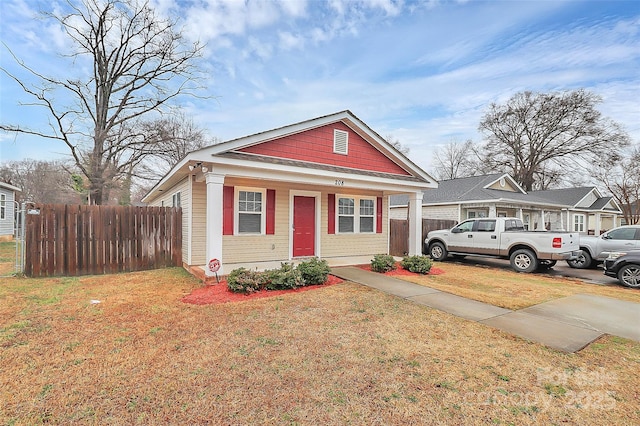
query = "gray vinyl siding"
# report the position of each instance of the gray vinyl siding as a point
(6, 224)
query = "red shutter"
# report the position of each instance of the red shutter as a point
(331, 205)
(227, 210)
(271, 211)
(379, 215)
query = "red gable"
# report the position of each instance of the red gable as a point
(316, 146)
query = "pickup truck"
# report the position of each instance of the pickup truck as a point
(504, 237)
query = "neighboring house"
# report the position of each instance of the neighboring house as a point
(581, 210)
(587, 211)
(316, 188)
(7, 210)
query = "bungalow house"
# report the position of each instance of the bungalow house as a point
(582, 210)
(316, 188)
(7, 210)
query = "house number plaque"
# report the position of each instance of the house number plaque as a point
(339, 182)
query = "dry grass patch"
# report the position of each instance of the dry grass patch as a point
(336, 355)
(7, 257)
(511, 290)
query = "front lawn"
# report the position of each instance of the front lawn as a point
(124, 349)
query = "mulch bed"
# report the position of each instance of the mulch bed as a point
(219, 293)
(401, 271)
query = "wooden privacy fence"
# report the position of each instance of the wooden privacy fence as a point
(70, 240)
(399, 233)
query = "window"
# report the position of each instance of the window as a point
(346, 215)
(527, 219)
(476, 213)
(621, 234)
(3, 206)
(356, 215)
(466, 226)
(340, 142)
(367, 212)
(486, 225)
(513, 225)
(176, 200)
(578, 223)
(250, 209)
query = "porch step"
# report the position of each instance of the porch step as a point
(200, 274)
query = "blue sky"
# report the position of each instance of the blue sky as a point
(423, 72)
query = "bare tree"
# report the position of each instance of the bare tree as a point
(536, 136)
(455, 160)
(41, 181)
(620, 174)
(393, 141)
(139, 63)
(169, 140)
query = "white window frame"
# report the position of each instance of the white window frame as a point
(177, 196)
(477, 213)
(3, 206)
(372, 215)
(356, 213)
(236, 210)
(579, 225)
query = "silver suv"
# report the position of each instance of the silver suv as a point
(596, 249)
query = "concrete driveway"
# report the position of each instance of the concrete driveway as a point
(591, 276)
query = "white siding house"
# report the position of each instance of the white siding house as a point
(7, 210)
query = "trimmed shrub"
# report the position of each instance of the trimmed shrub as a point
(383, 263)
(242, 280)
(284, 278)
(314, 271)
(417, 264)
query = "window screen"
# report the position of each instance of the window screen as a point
(346, 214)
(249, 212)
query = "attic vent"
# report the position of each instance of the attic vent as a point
(340, 141)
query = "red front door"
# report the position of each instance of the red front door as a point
(304, 226)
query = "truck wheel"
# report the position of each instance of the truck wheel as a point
(524, 260)
(583, 261)
(437, 251)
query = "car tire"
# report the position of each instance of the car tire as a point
(437, 251)
(524, 260)
(583, 261)
(629, 275)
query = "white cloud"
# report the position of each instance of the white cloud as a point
(294, 8)
(290, 41)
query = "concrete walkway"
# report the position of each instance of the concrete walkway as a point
(568, 324)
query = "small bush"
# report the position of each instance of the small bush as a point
(284, 278)
(417, 264)
(314, 271)
(383, 263)
(242, 280)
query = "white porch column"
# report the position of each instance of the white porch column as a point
(415, 223)
(520, 214)
(541, 224)
(615, 221)
(214, 220)
(598, 223)
(493, 211)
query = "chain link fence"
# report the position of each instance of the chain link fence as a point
(12, 245)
